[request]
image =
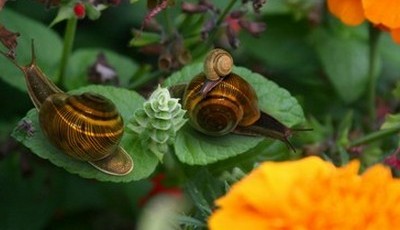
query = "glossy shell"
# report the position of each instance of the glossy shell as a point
(231, 103)
(217, 64)
(87, 127)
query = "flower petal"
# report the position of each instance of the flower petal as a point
(348, 11)
(396, 35)
(310, 194)
(386, 12)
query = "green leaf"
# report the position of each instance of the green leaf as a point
(127, 102)
(82, 59)
(23, 195)
(48, 48)
(195, 148)
(285, 50)
(396, 91)
(344, 129)
(390, 52)
(276, 7)
(391, 121)
(141, 38)
(64, 12)
(92, 11)
(344, 57)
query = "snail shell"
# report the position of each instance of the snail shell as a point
(231, 103)
(87, 127)
(218, 63)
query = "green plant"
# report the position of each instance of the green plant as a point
(306, 67)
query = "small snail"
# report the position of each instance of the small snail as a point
(217, 65)
(87, 127)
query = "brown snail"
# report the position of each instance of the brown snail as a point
(230, 106)
(86, 127)
(217, 65)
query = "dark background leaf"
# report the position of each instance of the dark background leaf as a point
(47, 45)
(82, 59)
(344, 57)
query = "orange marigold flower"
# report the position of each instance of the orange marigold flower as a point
(349, 11)
(383, 12)
(310, 194)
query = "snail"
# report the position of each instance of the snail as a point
(218, 64)
(230, 106)
(86, 127)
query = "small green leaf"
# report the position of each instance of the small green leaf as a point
(127, 102)
(344, 129)
(48, 48)
(344, 57)
(64, 12)
(92, 11)
(391, 121)
(195, 148)
(141, 38)
(276, 7)
(396, 91)
(82, 59)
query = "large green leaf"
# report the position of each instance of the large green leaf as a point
(344, 56)
(82, 59)
(48, 48)
(195, 148)
(127, 102)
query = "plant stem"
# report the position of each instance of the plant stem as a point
(168, 22)
(375, 136)
(69, 37)
(220, 21)
(372, 71)
(203, 49)
(225, 12)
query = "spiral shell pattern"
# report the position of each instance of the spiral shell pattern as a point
(217, 64)
(231, 103)
(87, 127)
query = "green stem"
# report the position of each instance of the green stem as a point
(372, 71)
(375, 136)
(69, 37)
(204, 48)
(168, 22)
(225, 12)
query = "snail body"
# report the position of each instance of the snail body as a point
(86, 127)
